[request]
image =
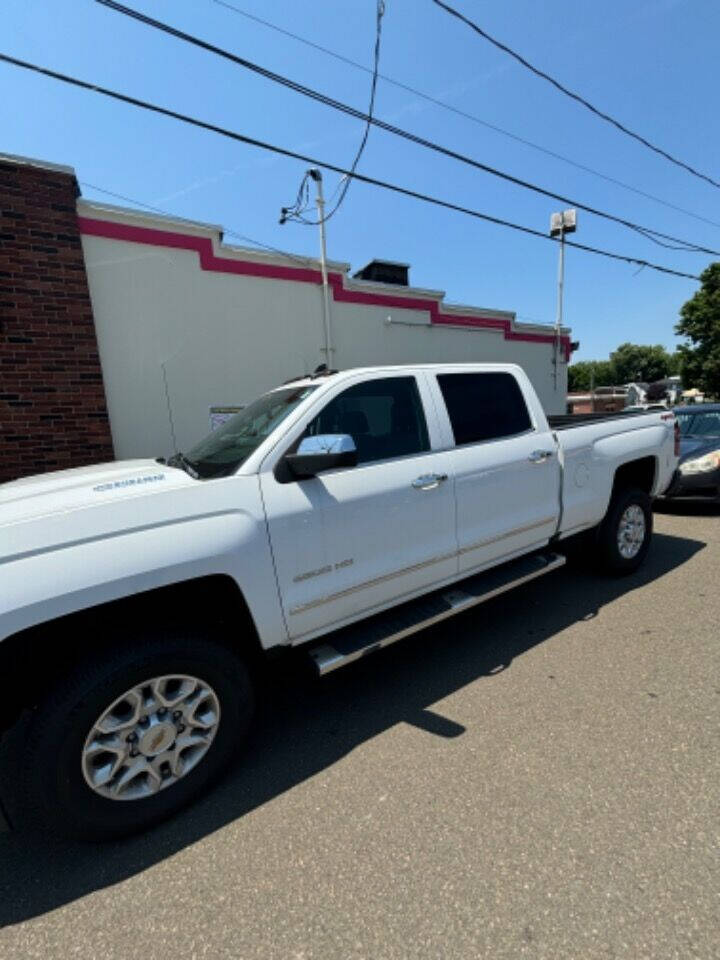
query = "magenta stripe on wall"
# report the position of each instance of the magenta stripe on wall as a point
(341, 294)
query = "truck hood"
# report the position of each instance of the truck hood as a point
(79, 538)
(35, 508)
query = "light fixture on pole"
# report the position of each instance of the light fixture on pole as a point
(560, 224)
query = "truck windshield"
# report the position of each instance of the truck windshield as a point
(222, 451)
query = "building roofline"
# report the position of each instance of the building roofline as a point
(112, 213)
(33, 162)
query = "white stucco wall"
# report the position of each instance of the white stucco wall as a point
(220, 338)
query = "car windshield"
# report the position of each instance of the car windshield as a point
(222, 451)
(700, 424)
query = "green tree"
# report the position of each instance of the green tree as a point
(675, 368)
(588, 373)
(633, 362)
(700, 323)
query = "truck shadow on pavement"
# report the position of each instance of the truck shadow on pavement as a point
(309, 724)
(688, 508)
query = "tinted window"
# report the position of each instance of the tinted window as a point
(484, 406)
(700, 424)
(384, 417)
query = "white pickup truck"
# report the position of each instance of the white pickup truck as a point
(337, 513)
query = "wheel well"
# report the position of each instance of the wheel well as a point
(638, 473)
(33, 657)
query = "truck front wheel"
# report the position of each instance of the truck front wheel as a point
(623, 537)
(134, 735)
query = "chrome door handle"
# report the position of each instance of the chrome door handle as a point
(540, 456)
(429, 481)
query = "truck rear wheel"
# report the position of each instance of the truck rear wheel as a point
(623, 537)
(134, 735)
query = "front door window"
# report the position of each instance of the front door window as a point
(384, 417)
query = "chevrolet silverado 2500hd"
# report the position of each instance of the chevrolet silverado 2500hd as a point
(337, 513)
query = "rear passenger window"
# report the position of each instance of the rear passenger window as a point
(384, 417)
(484, 406)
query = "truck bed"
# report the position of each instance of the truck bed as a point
(565, 421)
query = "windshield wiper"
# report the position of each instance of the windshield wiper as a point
(180, 460)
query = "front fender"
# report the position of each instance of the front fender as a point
(41, 585)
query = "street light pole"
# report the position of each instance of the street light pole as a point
(329, 349)
(559, 315)
(560, 224)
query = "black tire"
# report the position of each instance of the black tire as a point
(609, 556)
(54, 792)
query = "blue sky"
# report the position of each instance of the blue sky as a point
(650, 63)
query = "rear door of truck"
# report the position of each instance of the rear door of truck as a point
(504, 463)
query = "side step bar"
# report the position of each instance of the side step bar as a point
(380, 631)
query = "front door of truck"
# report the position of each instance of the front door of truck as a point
(352, 540)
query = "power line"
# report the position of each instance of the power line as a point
(296, 212)
(647, 232)
(379, 13)
(302, 202)
(464, 114)
(574, 96)
(313, 161)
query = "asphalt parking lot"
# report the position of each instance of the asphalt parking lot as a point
(537, 778)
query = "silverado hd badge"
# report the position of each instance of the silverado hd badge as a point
(129, 482)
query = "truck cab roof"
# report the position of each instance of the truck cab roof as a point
(399, 368)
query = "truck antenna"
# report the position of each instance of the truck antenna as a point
(169, 409)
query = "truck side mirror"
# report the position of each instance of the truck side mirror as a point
(323, 452)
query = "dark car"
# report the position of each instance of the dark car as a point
(698, 473)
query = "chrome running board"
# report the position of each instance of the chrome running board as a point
(367, 636)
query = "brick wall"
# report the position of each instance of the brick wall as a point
(53, 411)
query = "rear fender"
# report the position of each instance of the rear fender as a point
(591, 468)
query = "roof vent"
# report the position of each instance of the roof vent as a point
(385, 271)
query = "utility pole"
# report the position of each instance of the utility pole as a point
(316, 176)
(296, 213)
(560, 224)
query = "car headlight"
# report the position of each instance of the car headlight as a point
(711, 461)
